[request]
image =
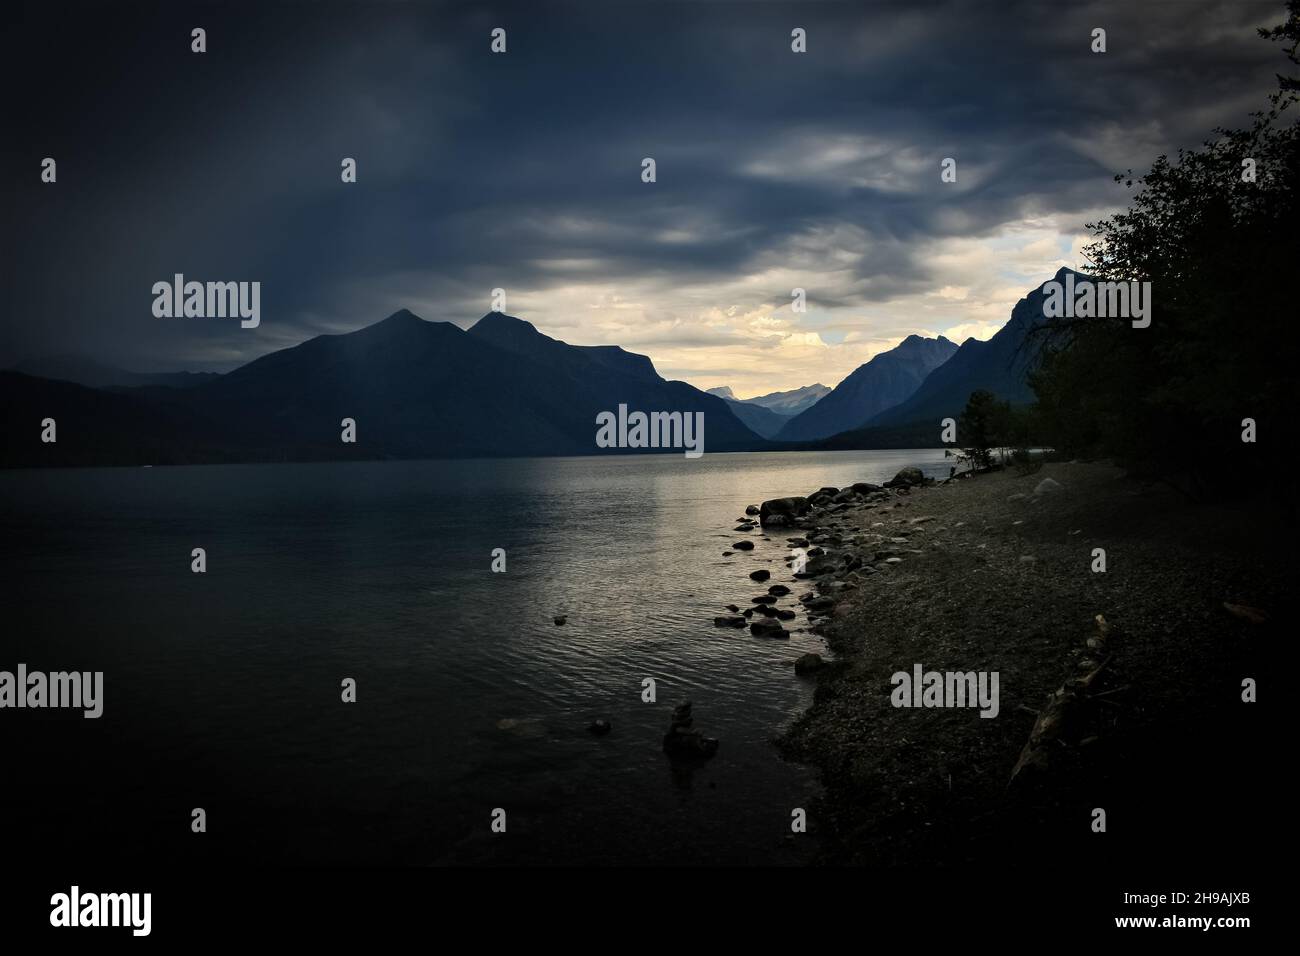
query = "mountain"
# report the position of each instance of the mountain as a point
(82, 370)
(999, 365)
(794, 401)
(886, 380)
(415, 389)
(768, 414)
(99, 427)
(762, 421)
(783, 403)
(522, 338)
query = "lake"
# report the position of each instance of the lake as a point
(222, 689)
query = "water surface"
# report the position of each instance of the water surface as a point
(223, 688)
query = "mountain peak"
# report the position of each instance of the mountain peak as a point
(401, 316)
(887, 379)
(914, 342)
(401, 323)
(501, 321)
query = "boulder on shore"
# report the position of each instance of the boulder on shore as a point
(782, 510)
(907, 478)
(807, 663)
(820, 605)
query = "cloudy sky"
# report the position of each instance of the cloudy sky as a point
(522, 170)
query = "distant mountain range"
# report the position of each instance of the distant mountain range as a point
(419, 389)
(88, 372)
(786, 403)
(768, 414)
(886, 380)
(416, 389)
(1000, 365)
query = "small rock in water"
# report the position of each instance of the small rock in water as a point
(729, 621)
(762, 574)
(768, 629)
(752, 510)
(733, 609)
(560, 619)
(763, 599)
(744, 546)
(600, 727)
(785, 614)
(778, 589)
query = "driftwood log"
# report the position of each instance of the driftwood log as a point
(1057, 721)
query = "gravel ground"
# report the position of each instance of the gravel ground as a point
(1003, 582)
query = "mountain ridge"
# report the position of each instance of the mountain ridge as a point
(999, 365)
(415, 388)
(885, 380)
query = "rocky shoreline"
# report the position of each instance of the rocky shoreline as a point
(1099, 669)
(830, 555)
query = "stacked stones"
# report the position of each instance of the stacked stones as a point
(682, 741)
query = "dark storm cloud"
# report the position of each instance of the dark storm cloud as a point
(523, 170)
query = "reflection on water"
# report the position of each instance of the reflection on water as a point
(223, 689)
